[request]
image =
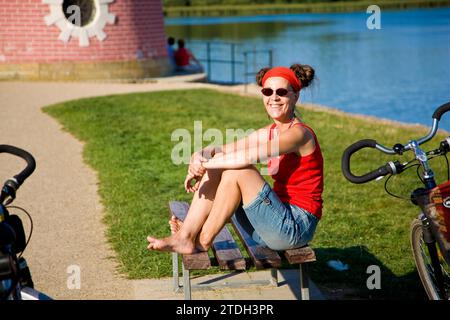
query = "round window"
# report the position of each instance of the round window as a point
(89, 16)
(79, 12)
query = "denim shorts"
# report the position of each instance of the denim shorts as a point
(277, 225)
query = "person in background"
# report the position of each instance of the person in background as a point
(184, 59)
(171, 51)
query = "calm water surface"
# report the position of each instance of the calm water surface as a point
(400, 72)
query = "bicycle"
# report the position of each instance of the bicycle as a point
(430, 231)
(15, 277)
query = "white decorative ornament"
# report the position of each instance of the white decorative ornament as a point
(83, 33)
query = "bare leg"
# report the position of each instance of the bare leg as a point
(183, 241)
(235, 186)
(207, 216)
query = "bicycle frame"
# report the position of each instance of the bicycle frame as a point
(11, 268)
(428, 236)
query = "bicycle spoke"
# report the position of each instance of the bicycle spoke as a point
(430, 270)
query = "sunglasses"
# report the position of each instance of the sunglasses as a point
(281, 92)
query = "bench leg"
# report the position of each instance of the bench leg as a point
(186, 283)
(274, 277)
(304, 283)
(175, 272)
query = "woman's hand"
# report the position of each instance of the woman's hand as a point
(188, 186)
(195, 166)
(195, 172)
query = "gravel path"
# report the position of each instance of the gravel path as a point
(62, 193)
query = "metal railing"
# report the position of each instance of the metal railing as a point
(233, 62)
(255, 66)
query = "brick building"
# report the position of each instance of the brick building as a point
(82, 39)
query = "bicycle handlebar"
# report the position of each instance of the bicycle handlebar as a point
(390, 167)
(441, 110)
(438, 113)
(31, 163)
(345, 164)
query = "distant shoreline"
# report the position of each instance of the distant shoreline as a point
(324, 7)
(419, 127)
(253, 90)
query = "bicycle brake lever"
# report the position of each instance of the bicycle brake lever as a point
(435, 152)
(8, 192)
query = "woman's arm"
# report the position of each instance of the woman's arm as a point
(252, 140)
(196, 168)
(289, 141)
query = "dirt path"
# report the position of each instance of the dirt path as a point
(62, 193)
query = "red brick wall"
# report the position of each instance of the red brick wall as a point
(24, 36)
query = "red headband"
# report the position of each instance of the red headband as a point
(285, 73)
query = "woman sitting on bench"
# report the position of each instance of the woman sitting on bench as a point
(223, 178)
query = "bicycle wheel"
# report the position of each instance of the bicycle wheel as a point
(28, 293)
(423, 264)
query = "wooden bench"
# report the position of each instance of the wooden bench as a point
(227, 256)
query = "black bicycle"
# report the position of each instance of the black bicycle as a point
(15, 278)
(430, 232)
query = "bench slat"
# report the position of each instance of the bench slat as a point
(227, 252)
(300, 255)
(261, 256)
(179, 209)
(196, 261)
(225, 248)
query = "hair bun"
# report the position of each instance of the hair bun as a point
(260, 75)
(304, 73)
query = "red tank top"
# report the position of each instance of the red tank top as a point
(299, 180)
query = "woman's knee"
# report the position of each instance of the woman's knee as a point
(229, 174)
(233, 173)
(238, 174)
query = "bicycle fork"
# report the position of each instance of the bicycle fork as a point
(430, 241)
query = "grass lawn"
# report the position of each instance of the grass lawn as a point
(236, 8)
(128, 142)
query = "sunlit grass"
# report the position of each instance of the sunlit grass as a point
(128, 142)
(249, 7)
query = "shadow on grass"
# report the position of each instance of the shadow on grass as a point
(352, 283)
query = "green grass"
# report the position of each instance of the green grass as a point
(246, 7)
(128, 142)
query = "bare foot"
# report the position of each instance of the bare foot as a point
(175, 224)
(173, 243)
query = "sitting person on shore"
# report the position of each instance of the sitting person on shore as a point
(225, 181)
(171, 52)
(185, 60)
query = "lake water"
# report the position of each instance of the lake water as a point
(400, 72)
